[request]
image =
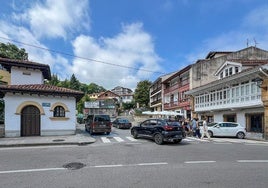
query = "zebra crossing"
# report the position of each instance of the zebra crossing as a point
(117, 139)
(126, 139)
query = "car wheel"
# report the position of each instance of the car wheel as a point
(177, 141)
(210, 133)
(240, 135)
(158, 139)
(135, 134)
(90, 131)
(107, 133)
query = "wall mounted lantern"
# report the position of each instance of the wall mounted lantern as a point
(259, 82)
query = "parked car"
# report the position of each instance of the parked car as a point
(159, 130)
(98, 124)
(122, 123)
(226, 129)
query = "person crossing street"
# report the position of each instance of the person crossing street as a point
(205, 129)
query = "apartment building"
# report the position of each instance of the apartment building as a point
(174, 89)
(232, 87)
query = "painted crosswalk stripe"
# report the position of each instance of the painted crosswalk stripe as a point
(105, 140)
(131, 139)
(118, 139)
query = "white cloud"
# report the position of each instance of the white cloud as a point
(57, 18)
(133, 47)
(23, 35)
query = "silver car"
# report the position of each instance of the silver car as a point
(226, 129)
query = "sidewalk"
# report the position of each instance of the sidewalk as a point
(80, 138)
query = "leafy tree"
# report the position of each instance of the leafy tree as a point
(128, 105)
(74, 83)
(12, 51)
(142, 92)
(65, 83)
(94, 88)
(84, 88)
(80, 104)
(54, 80)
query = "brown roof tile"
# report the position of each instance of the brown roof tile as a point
(41, 89)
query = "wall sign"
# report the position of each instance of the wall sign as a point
(46, 104)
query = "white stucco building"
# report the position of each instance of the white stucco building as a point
(33, 108)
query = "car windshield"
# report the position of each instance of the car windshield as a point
(211, 124)
(173, 123)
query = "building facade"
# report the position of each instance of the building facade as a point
(33, 108)
(175, 87)
(224, 88)
(126, 94)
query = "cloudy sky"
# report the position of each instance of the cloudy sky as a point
(120, 42)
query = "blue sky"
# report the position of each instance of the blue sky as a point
(130, 40)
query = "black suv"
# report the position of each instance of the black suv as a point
(160, 130)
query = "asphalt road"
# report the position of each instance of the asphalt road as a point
(141, 163)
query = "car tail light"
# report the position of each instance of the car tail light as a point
(110, 124)
(168, 128)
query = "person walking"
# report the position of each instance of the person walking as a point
(194, 126)
(197, 131)
(205, 129)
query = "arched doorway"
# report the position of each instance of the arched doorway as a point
(30, 121)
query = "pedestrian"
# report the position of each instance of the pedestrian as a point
(205, 129)
(194, 126)
(197, 131)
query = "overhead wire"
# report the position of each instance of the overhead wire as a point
(79, 57)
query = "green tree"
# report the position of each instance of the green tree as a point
(128, 105)
(65, 83)
(12, 51)
(74, 83)
(80, 104)
(94, 88)
(142, 92)
(54, 80)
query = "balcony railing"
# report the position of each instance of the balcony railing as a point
(155, 91)
(185, 104)
(172, 88)
(230, 103)
(156, 102)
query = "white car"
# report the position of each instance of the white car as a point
(228, 129)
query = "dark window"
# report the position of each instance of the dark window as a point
(59, 111)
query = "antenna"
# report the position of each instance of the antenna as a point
(255, 42)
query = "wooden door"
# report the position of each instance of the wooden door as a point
(30, 121)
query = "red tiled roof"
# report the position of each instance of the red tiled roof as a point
(41, 89)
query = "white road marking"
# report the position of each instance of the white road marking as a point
(105, 140)
(150, 164)
(30, 170)
(131, 139)
(108, 166)
(198, 162)
(118, 139)
(252, 161)
(129, 165)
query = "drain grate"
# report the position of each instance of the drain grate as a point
(74, 166)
